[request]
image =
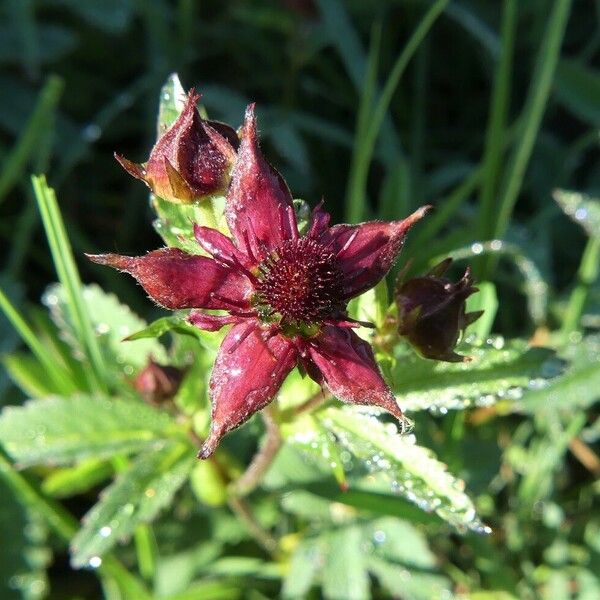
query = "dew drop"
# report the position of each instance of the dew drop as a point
(379, 536)
(105, 531)
(95, 562)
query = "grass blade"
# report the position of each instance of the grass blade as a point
(531, 119)
(494, 143)
(68, 275)
(34, 130)
(363, 153)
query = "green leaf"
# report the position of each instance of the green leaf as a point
(137, 496)
(307, 434)
(345, 575)
(208, 339)
(69, 481)
(62, 430)
(22, 553)
(172, 100)
(577, 388)
(371, 306)
(487, 300)
(408, 585)
(27, 373)
(400, 541)
(578, 88)
(410, 470)
(175, 222)
(498, 370)
(112, 321)
(303, 570)
(583, 209)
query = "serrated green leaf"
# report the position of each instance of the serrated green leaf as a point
(137, 496)
(112, 321)
(307, 434)
(345, 575)
(498, 370)
(577, 388)
(412, 471)
(583, 209)
(58, 430)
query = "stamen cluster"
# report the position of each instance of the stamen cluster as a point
(301, 282)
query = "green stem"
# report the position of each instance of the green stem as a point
(68, 275)
(535, 105)
(494, 143)
(363, 153)
(586, 276)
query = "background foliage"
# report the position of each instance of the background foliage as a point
(488, 110)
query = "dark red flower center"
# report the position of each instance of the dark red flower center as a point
(300, 283)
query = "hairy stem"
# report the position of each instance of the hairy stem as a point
(262, 460)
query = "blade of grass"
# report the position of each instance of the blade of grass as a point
(35, 129)
(533, 111)
(363, 151)
(494, 142)
(65, 526)
(586, 276)
(61, 378)
(68, 275)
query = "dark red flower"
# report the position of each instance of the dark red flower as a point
(284, 294)
(431, 312)
(191, 160)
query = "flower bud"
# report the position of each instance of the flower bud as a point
(191, 160)
(431, 312)
(157, 383)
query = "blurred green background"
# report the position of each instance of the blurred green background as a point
(482, 110)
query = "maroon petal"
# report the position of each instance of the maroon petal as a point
(259, 208)
(219, 246)
(247, 374)
(367, 251)
(175, 279)
(348, 368)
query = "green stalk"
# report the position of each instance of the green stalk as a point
(60, 378)
(34, 130)
(64, 525)
(68, 275)
(531, 119)
(587, 274)
(495, 137)
(363, 153)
